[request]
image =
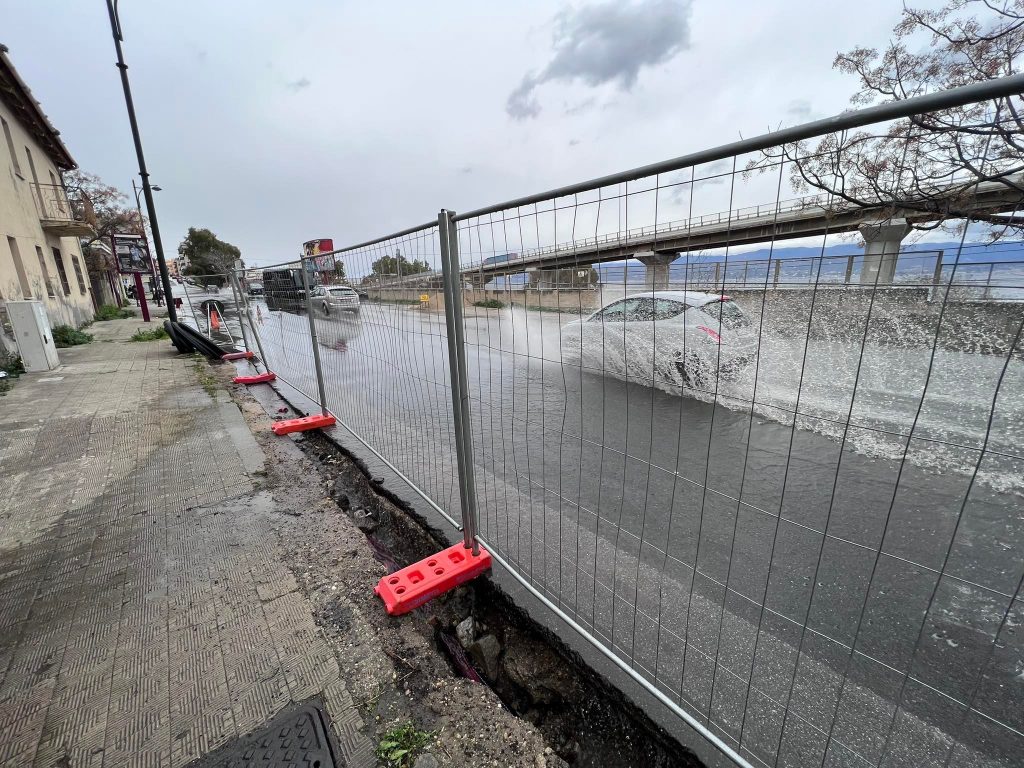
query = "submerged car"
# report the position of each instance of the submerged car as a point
(673, 338)
(337, 298)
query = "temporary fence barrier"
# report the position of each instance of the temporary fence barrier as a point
(780, 494)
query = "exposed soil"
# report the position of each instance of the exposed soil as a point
(539, 706)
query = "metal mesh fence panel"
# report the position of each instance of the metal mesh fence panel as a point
(279, 320)
(207, 303)
(781, 489)
(385, 359)
(383, 351)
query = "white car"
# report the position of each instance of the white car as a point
(337, 298)
(671, 338)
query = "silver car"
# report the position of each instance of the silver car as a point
(667, 338)
(337, 298)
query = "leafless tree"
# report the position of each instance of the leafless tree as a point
(105, 207)
(927, 167)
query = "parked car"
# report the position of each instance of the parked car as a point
(337, 298)
(255, 289)
(671, 338)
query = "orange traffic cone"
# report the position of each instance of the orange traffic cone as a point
(214, 319)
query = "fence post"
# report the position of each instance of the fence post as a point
(252, 325)
(236, 294)
(312, 338)
(191, 309)
(452, 283)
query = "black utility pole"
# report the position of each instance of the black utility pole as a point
(115, 28)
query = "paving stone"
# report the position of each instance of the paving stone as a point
(138, 624)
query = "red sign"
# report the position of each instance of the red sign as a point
(313, 248)
(316, 247)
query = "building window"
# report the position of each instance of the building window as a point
(10, 147)
(58, 192)
(19, 267)
(78, 274)
(46, 272)
(35, 178)
(59, 261)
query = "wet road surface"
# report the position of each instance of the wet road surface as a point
(709, 540)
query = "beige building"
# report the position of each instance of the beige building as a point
(40, 254)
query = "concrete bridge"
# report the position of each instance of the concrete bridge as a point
(658, 246)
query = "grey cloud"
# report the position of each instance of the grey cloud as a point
(297, 85)
(607, 43)
(800, 109)
(573, 142)
(679, 193)
(466, 169)
(521, 102)
(580, 108)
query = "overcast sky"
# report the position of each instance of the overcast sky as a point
(272, 123)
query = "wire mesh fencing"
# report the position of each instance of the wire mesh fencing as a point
(383, 350)
(780, 489)
(385, 355)
(209, 304)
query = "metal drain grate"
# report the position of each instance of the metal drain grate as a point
(299, 736)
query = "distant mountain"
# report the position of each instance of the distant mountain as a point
(630, 270)
(1001, 251)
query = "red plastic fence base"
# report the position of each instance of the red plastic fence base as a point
(302, 425)
(262, 378)
(421, 582)
(237, 356)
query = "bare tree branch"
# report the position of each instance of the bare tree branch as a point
(930, 164)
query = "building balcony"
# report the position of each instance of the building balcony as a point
(60, 215)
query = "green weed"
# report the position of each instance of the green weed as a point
(206, 379)
(113, 312)
(152, 334)
(401, 744)
(66, 336)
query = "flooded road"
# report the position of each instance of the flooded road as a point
(775, 540)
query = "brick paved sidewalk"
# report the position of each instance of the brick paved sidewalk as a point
(145, 613)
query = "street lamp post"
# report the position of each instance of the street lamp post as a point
(115, 28)
(142, 225)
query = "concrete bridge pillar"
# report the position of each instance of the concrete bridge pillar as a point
(881, 249)
(657, 264)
